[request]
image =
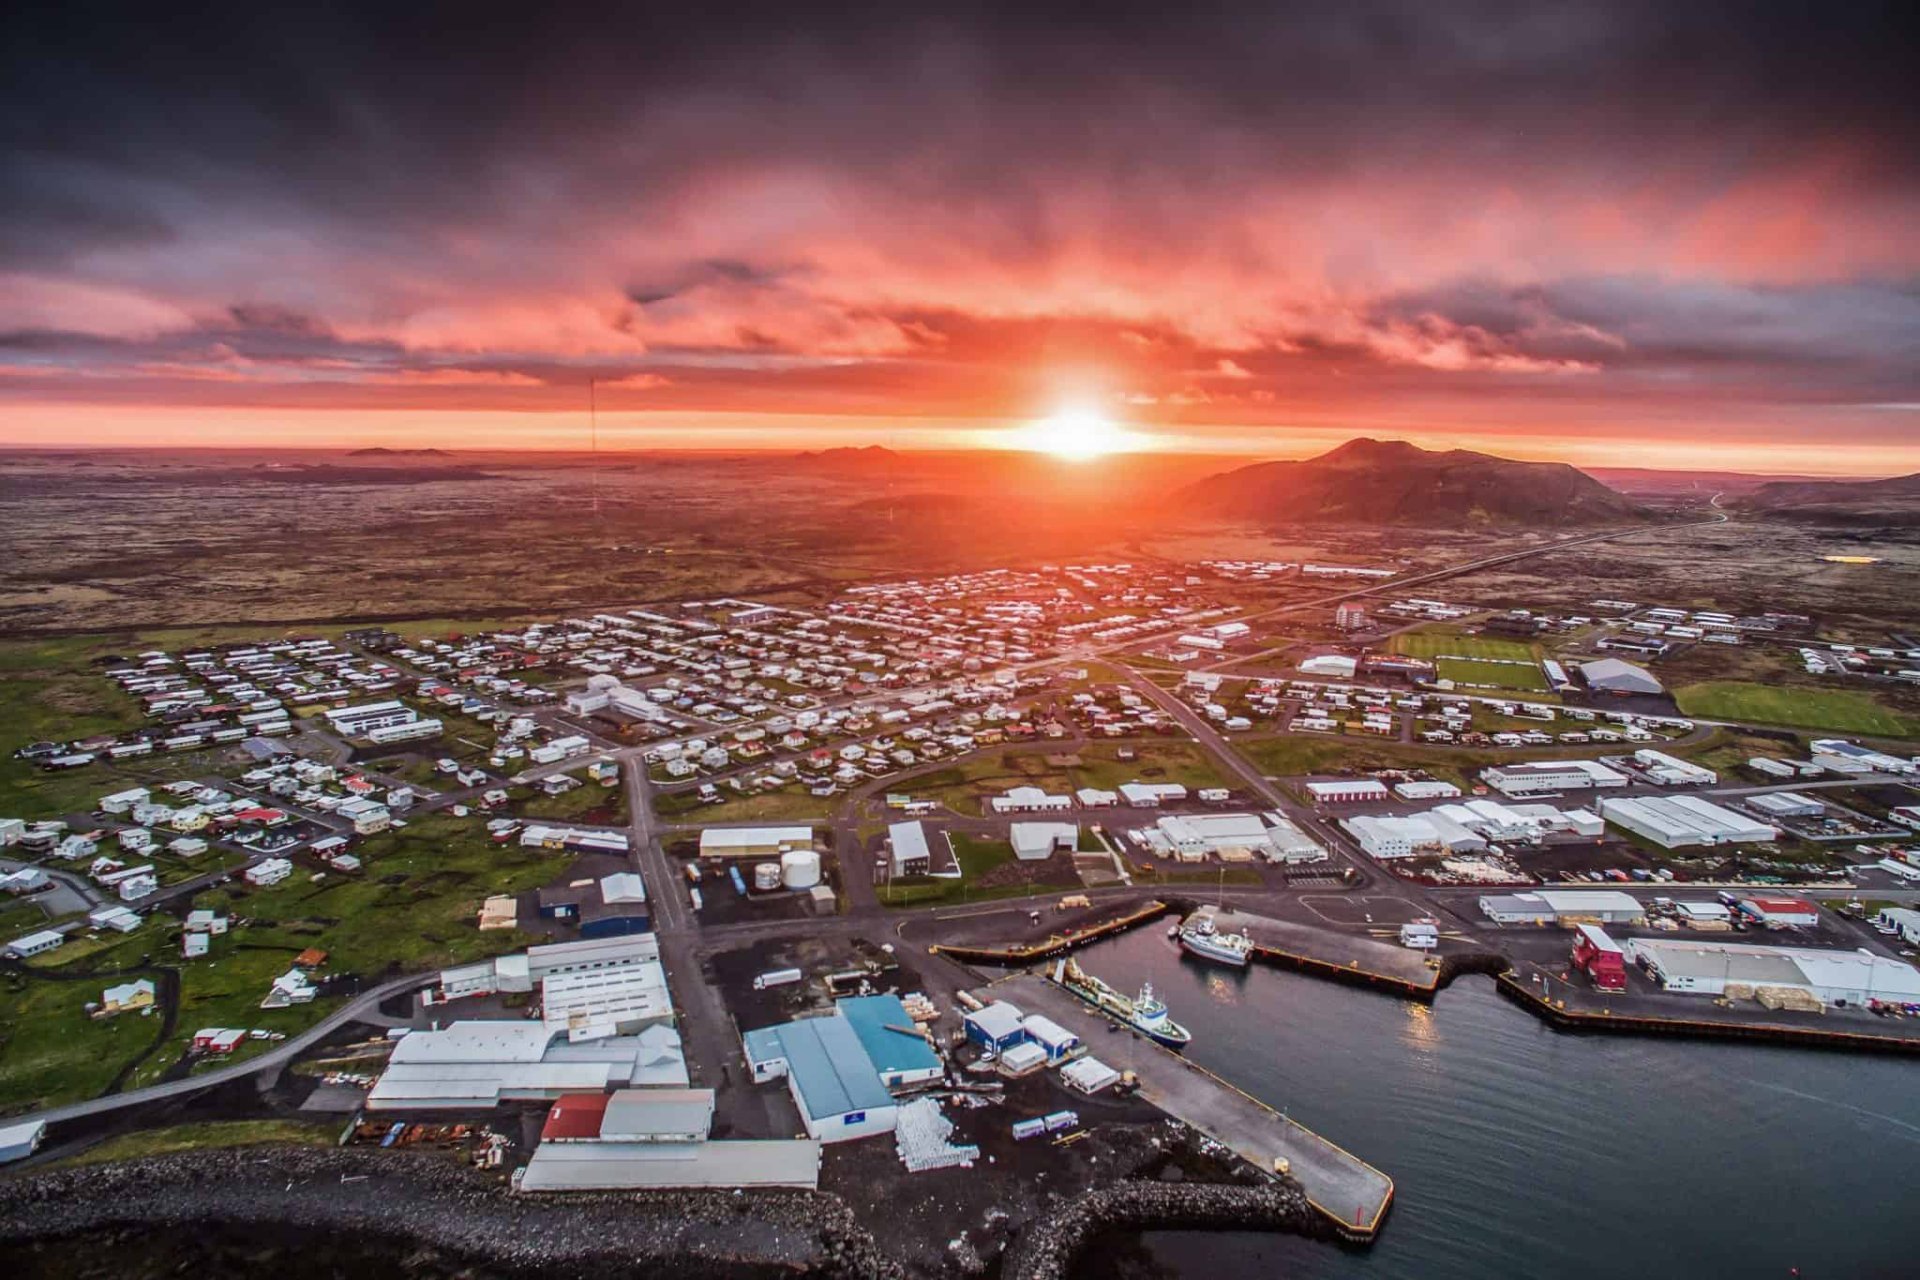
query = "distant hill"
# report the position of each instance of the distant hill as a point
(847, 459)
(1393, 482)
(379, 451)
(1880, 502)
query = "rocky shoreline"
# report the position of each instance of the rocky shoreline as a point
(307, 1211)
(322, 1194)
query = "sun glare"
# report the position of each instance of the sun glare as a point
(1076, 435)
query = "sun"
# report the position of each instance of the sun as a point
(1076, 435)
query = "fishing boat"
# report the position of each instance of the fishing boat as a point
(1145, 1012)
(1201, 937)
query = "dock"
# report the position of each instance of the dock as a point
(1333, 953)
(1350, 1193)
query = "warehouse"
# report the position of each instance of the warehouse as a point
(653, 1139)
(1537, 777)
(1724, 968)
(1682, 821)
(996, 1028)
(607, 1002)
(1347, 791)
(1786, 804)
(1780, 912)
(478, 1065)
(1149, 795)
(1410, 835)
(1610, 675)
(753, 842)
(907, 847)
(833, 1081)
(1553, 906)
(1669, 771)
(1232, 837)
(894, 1042)
(1842, 756)
(1036, 841)
(616, 906)
(1030, 799)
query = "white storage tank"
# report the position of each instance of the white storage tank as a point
(766, 876)
(800, 868)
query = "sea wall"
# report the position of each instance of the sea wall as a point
(1047, 1249)
(445, 1206)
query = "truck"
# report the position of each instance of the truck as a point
(777, 978)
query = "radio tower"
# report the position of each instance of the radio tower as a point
(593, 428)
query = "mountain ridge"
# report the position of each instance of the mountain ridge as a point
(1396, 482)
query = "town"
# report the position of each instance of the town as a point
(738, 894)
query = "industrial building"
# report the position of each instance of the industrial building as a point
(1030, 800)
(1348, 791)
(1675, 822)
(1555, 906)
(1664, 770)
(1610, 675)
(1232, 837)
(753, 842)
(995, 1028)
(907, 849)
(1036, 841)
(1777, 911)
(1785, 804)
(1842, 756)
(1731, 968)
(638, 1139)
(894, 1042)
(834, 1082)
(478, 1065)
(1537, 777)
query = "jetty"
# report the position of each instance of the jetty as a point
(1349, 1193)
(1332, 953)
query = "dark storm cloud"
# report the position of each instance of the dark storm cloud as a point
(1272, 196)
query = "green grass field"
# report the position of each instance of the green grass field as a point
(1499, 675)
(1437, 643)
(207, 1135)
(413, 909)
(1796, 706)
(988, 871)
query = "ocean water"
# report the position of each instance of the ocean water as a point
(1519, 1151)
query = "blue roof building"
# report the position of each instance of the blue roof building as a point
(834, 1083)
(893, 1041)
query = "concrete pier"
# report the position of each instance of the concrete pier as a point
(1350, 1193)
(1332, 953)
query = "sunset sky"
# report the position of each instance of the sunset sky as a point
(1682, 234)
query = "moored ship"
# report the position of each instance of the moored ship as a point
(1201, 937)
(1145, 1012)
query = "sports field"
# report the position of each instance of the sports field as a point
(1437, 644)
(1836, 710)
(1499, 675)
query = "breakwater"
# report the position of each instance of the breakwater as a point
(1049, 1248)
(1055, 945)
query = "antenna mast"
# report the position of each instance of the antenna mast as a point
(593, 427)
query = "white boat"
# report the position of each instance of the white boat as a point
(1201, 937)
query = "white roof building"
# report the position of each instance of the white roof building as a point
(1832, 977)
(1033, 841)
(1674, 822)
